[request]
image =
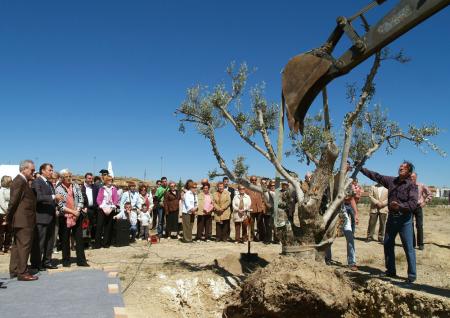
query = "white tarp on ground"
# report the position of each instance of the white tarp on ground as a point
(9, 170)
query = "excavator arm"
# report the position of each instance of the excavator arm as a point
(307, 74)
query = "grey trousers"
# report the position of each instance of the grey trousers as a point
(188, 224)
(43, 242)
(372, 224)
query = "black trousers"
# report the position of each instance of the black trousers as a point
(267, 220)
(204, 226)
(5, 235)
(104, 229)
(92, 216)
(418, 215)
(43, 242)
(77, 233)
(258, 219)
(223, 230)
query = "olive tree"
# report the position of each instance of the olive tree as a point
(365, 129)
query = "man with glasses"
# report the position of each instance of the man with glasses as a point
(257, 212)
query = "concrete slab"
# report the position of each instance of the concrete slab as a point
(75, 294)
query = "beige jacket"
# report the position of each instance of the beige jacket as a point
(375, 198)
(222, 202)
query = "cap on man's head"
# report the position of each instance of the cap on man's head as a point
(104, 171)
(131, 183)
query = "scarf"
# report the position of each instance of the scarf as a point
(71, 219)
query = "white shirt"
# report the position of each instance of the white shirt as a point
(144, 217)
(45, 180)
(189, 202)
(89, 194)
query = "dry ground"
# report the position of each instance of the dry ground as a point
(172, 279)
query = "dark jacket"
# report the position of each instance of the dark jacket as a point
(403, 191)
(95, 189)
(22, 205)
(46, 205)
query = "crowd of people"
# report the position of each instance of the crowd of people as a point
(44, 212)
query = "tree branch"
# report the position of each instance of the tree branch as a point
(344, 181)
(273, 158)
(253, 144)
(244, 181)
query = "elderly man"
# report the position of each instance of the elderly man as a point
(424, 196)
(21, 216)
(402, 202)
(378, 210)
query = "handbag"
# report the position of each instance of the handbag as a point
(108, 209)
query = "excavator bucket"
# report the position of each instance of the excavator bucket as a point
(303, 78)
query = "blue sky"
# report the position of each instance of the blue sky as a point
(84, 79)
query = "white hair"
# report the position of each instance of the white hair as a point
(64, 171)
(24, 164)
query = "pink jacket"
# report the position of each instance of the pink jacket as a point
(101, 194)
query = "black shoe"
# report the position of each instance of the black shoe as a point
(410, 280)
(421, 247)
(12, 275)
(386, 274)
(50, 266)
(84, 264)
(66, 264)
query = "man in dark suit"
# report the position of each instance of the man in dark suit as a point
(21, 216)
(44, 232)
(90, 192)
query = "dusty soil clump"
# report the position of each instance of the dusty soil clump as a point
(382, 299)
(290, 287)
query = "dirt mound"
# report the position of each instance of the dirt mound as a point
(382, 299)
(289, 287)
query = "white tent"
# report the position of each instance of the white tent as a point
(9, 170)
(110, 169)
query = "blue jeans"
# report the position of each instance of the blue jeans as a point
(133, 231)
(351, 214)
(161, 215)
(349, 236)
(400, 224)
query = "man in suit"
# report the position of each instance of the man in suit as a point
(21, 216)
(90, 192)
(44, 232)
(378, 210)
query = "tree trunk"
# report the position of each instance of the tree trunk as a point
(302, 240)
